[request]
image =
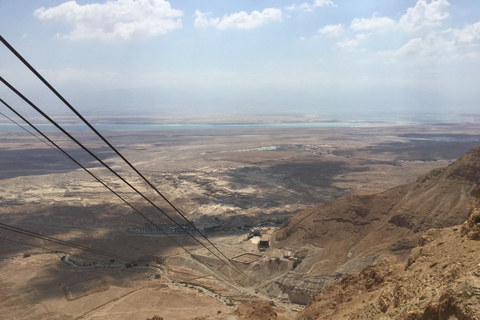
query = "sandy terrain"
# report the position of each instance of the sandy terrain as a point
(94, 293)
(224, 180)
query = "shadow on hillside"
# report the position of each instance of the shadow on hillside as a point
(41, 161)
(100, 227)
(428, 147)
(308, 183)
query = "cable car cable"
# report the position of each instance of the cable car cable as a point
(115, 193)
(33, 70)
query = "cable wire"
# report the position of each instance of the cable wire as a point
(28, 244)
(106, 186)
(54, 240)
(58, 241)
(49, 250)
(89, 172)
(18, 93)
(25, 129)
(39, 76)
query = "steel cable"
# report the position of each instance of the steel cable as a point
(33, 70)
(106, 186)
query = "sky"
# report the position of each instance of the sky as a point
(319, 57)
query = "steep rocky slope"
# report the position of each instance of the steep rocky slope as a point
(440, 280)
(343, 236)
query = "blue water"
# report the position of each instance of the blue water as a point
(137, 127)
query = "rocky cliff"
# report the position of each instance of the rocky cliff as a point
(440, 280)
(344, 236)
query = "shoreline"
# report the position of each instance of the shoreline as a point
(220, 126)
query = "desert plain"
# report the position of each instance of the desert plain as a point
(226, 181)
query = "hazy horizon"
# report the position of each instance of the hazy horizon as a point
(324, 58)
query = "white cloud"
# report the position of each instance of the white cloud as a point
(424, 15)
(351, 44)
(472, 57)
(202, 20)
(448, 47)
(321, 3)
(331, 30)
(306, 7)
(468, 34)
(428, 49)
(301, 7)
(239, 20)
(115, 19)
(373, 24)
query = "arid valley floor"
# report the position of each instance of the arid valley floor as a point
(224, 180)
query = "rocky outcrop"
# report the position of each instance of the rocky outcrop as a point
(299, 288)
(441, 280)
(357, 230)
(471, 227)
(256, 311)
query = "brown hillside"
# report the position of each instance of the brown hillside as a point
(345, 235)
(441, 280)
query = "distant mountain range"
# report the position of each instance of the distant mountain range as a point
(339, 103)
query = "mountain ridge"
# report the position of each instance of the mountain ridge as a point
(440, 280)
(345, 235)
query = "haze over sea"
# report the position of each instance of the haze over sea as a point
(344, 121)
